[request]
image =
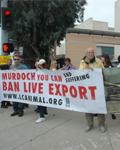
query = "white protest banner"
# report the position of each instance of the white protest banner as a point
(77, 90)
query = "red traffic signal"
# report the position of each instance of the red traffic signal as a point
(5, 47)
(7, 18)
(7, 12)
(8, 47)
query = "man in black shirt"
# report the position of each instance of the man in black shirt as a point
(6, 67)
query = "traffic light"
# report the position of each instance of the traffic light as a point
(8, 47)
(7, 18)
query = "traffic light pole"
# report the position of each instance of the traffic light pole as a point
(4, 33)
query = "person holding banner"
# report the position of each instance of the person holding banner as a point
(107, 64)
(91, 62)
(43, 110)
(17, 107)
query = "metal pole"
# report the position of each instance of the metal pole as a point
(4, 33)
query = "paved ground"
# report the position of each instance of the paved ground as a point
(62, 130)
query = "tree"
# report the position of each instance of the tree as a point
(41, 25)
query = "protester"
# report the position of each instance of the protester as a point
(53, 65)
(118, 61)
(5, 104)
(107, 64)
(90, 62)
(17, 107)
(43, 110)
(68, 65)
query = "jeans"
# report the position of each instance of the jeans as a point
(18, 107)
(43, 110)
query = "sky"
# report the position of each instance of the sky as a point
(100, 10)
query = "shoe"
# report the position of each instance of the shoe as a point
(9, 105)
(102, 129)
(40, 120)
(113, 116)
(46, 115)
(88, 128)
(4, 106)
(14, 114)
(20, 114)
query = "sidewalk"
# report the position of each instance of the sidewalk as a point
(62, 130)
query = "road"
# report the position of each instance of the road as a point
(62, 130)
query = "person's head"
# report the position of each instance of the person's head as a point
(119, 58)
(106, 60)
(90, 53)
(21, 61)
(67, 61)
(9, 62)
(53, 65)
(16, 60)
(42, 64)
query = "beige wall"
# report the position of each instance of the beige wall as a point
(76, 44)
(117, 26)
(117, 16)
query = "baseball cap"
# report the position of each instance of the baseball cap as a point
(41, 61)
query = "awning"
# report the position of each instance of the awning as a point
(93, 32)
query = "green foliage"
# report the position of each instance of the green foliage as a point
(39, 23)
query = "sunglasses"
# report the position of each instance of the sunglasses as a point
(16, 59)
